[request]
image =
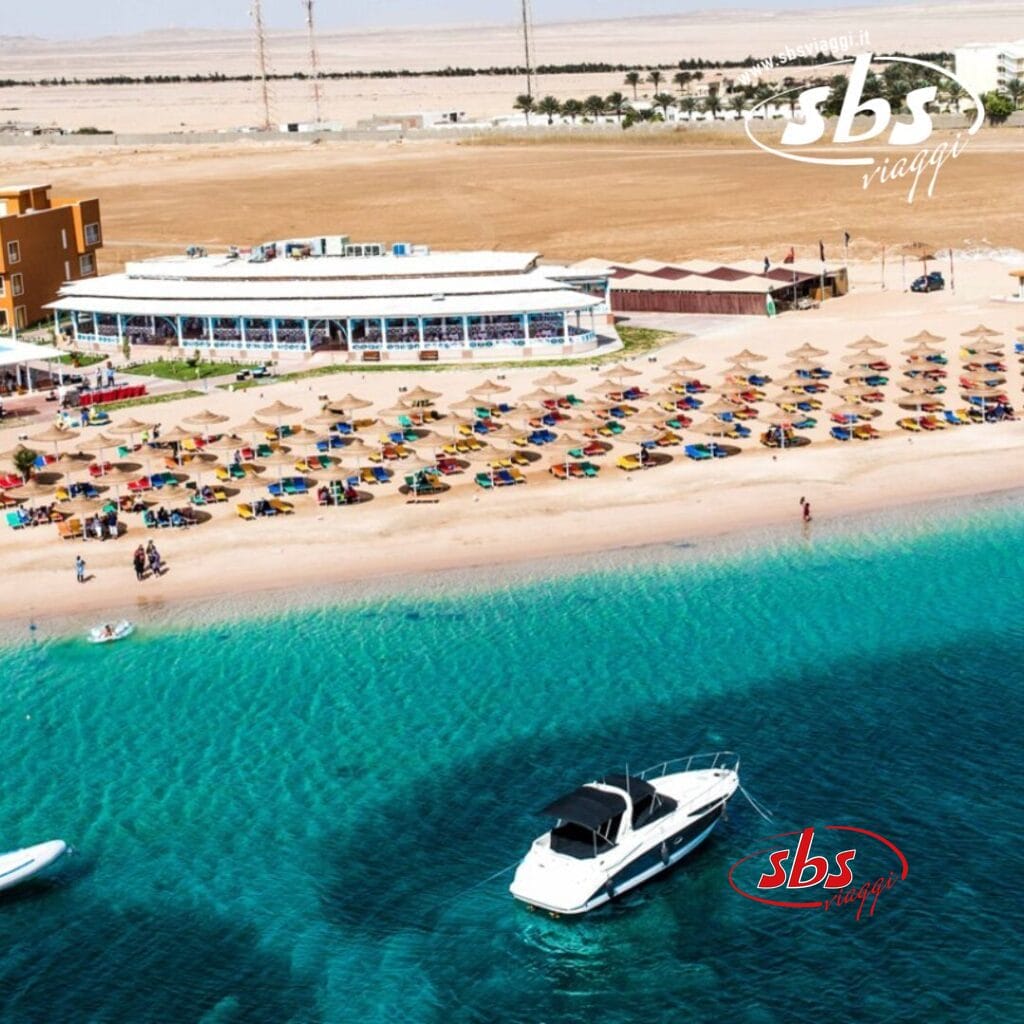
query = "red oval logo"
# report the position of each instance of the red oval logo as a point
(827, 882)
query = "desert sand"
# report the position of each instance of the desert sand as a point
(712, 34)
(625, 198)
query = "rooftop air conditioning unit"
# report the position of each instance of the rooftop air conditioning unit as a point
(438, 298)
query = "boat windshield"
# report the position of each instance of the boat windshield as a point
(648, 809)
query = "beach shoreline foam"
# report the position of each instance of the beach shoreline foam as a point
(183, 605)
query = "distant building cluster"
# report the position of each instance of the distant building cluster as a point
(990, 67)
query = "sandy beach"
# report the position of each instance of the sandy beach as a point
(549, 518)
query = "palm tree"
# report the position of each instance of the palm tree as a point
(525, 104)
(954, 94)
(713, 104)
(615, 103)
(633, 79)
(24, 459)
(688, 105)
(572, 109)
(594, 106)
(682, 79)
(549, 106)
(655, 78)
(739, 104)
(664, 100)
(1015, 88)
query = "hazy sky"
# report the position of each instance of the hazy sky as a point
(64, 18)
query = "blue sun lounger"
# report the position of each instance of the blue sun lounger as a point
(697, 452)
(381, 474)
(841, 433)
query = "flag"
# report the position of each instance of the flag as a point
(846, 238)
(821, 250)
(769, 304)
(767, 265)
(790, 256)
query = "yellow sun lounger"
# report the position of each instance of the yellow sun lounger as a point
(245, 512)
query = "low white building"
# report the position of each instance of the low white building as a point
(988, 67)
(374, 302)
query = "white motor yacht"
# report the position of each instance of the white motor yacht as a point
(616, 833)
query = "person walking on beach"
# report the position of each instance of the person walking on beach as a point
(79, 568)
(153, 556)
(139, 559)
(807, 511)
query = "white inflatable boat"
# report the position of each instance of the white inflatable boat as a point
(20, 865)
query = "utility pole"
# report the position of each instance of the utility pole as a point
(314, 59)
(528, 52)
(261, 59)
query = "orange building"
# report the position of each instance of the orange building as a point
(43, 243)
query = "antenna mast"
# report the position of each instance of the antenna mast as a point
(528, 52)
(256, 10)
(314, 59)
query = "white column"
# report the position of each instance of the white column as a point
(209, 331)
(384, 331)
(120, 329)
(419, 326)
(273, 330)
(241, 331)
(526, 327)
(465, 332)
(565, 326)
(181, 332)
(305, 324)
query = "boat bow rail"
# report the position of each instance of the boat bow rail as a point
(725, 760)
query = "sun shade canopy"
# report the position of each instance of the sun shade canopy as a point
(586, 806)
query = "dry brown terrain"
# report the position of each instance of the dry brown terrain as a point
(624, 198)
(711, 34)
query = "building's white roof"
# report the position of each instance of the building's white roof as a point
(13, 352)
(337, 309)
(591, 265)
(124, 286)
(221, 267)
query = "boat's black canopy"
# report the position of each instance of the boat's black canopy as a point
(586, 806)
(636, 788)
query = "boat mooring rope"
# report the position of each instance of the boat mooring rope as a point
(757, 807)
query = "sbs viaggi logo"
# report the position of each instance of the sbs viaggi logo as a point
(855, 876)
(810, 126)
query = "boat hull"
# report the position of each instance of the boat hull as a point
(648, 865)
(20, 865)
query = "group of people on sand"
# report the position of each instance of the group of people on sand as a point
(147, 559)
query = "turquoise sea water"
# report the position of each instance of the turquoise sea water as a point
(296, 819)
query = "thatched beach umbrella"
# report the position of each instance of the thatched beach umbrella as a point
(554, 379)
(865, 343)
(807, 351)
(686, 365)
(924, 338)
(33, 488)
(205, 418)
(981, 331)
(488, 388)
(746, 356)
(54, 435)
(620, 372)
(348, 403)
(131, 427)
(420, 395)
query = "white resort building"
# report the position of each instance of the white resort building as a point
(372, 302)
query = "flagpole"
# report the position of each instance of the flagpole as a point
(952, 280)
(883, 268)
